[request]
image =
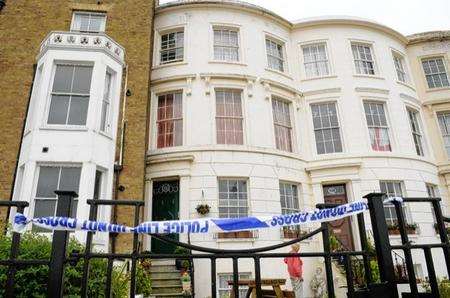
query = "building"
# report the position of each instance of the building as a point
(222, 103)
(255, 115)
(74, 95)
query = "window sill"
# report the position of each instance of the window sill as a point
(406, 85)
(178, 63)
(106, 135)
(319, 78)
(228, 62)
(437, 89)
(64, 127)
(284, 74)
(368, 76)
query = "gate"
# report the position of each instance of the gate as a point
(386, 287)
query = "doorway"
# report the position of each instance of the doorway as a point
(165, 206)
(337, 194)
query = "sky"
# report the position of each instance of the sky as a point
(405, 16)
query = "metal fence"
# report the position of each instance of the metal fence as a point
(369, 288)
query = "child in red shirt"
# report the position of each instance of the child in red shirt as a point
(295, 269)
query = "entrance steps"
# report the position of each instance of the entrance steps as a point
(165, 279)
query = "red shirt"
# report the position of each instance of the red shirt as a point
(295, 266)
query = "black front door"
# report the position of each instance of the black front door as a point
(165, 207)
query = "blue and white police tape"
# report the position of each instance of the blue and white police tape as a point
(201, 225)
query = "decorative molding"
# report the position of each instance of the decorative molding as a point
(207, 85)
(151, 160)
(188, 86)
(83, 41)
(322, 91)
(328, 166)
(432, 102)
(250, 84)
(280, 86)
(230, 76)
(372, 90)
(267, 90)
(410, 98)
(186, 77)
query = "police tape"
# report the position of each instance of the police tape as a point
(201, 225)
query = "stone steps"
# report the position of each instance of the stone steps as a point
(165, 279)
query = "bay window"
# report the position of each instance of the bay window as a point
(226, 45)
(282, 124)
(416, 131)
(169, 120)
(106, 103)
(275, 55)
(378, 127)
(316, 60)
(326, 128)
(172, 47)
(229, 117)
(363, 58)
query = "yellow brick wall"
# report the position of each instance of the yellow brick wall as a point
(23, 25)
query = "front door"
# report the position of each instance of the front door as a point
(341, 228)
(165, 207)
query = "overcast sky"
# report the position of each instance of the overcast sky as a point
(405, 16)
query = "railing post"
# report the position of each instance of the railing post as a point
(442, 233)
(59, 245)
(407, 249)
(328, 267)
(381, 239)
(364, 247)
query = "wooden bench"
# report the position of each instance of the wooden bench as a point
(275, 283)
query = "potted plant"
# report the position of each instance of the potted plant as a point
(395, 230)
(186, 284)
(182, 264)
(202, 209)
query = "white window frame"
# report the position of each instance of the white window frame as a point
(238, 47)
(107, 98)
(171, 91)
(327, 60)
(36, 182)
(446, 71)
(242, 275)
(287, 210)
(391, 207)
(89, 13)
(359, 59)
(51, 93)
(417, 134)
(387, 126)
(400, 66)
(291, 124)
(283, 52)
(159, 50)
(241, 91)
(339, 127)
(247, 206)
(442, 134)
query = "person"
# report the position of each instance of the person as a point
(295, 269)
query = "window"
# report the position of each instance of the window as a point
(233, 198)
(326, 128)
(224, 290)
(98, 185)
(172, 47)
(378, 127)
(435, 72)
(70, 95)
(106, 103)
(444, 124)
(275, 55)
(316, 60)
(282, 124)
(170, 120)
(364, 63)
(226, 45)
(229, 117)
(289, 204)
(416, 132)
(400, 67)
(432, 191)
(88, 22)
(53, 178)
(392, 189)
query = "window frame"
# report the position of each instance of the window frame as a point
(229, 288)
(387, 127)
(391, 207)
(290, 231)
(89, 13)
(326, 102)
(404, 67)
(370, 45)
(242, 117)
(70, 94)
(290, 128)
(159, 50)
(446, 68)
(105, 123)
(156, 121)
(328, 58)
(35, 198)
(419, 148)
(232, 179)
(442, 136)
(278, 42)
(221, 27)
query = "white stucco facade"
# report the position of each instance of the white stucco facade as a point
(199, 161)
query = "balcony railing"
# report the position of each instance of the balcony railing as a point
(80, 40)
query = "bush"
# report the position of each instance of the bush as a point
(31, 281)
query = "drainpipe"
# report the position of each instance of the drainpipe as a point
(118, 166)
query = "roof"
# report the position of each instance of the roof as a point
(429, 36)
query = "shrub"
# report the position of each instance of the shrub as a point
(31, 281)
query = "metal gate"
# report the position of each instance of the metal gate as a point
(387, 287)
